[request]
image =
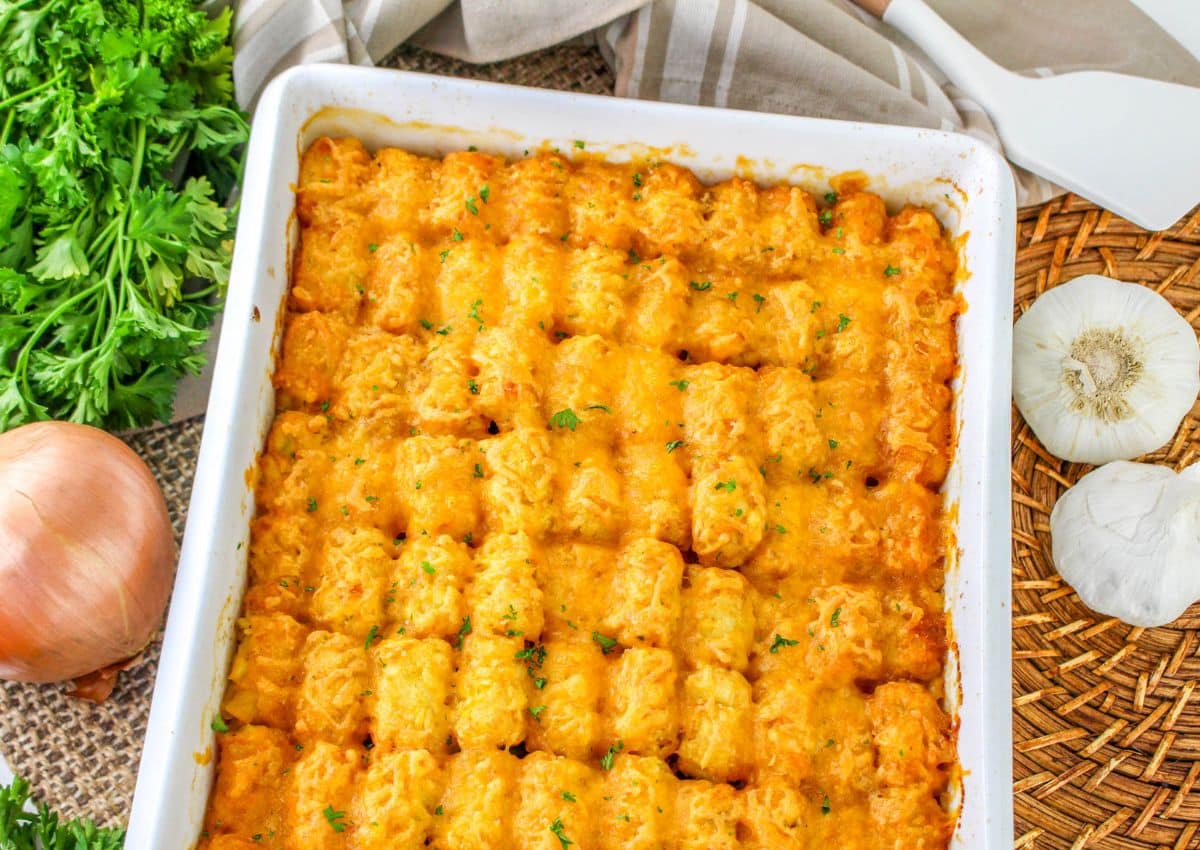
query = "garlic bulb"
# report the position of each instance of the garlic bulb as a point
(1127, 538)
(1104, 370)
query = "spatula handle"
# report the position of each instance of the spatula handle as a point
(973, 72)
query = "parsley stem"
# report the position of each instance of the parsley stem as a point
(51, 317)
(20, 96)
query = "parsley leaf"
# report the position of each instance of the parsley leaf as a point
(463, 631)
(22, 829)
(558, 829)
(334, 818)
(113, 260)
(606, 761)
(781, 642)
(565, 419)
(606, 643)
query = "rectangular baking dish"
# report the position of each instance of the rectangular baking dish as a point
(968, 185)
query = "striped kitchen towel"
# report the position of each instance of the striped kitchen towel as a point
(823, 58)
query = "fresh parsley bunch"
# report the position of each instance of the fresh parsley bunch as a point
(119, 142)
(42, 830)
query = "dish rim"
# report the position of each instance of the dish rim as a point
(178, 744)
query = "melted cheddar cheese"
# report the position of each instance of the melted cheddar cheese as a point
(600, 510)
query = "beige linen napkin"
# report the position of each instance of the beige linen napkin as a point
(822, 58)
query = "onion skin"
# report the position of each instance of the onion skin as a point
(86, 552)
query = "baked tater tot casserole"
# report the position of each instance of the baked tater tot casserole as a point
(600, 510)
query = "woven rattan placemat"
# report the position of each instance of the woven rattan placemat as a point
(1107, 735)
(1106, 721)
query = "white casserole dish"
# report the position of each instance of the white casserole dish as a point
(964, 182)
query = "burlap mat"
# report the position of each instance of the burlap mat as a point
(83, 758)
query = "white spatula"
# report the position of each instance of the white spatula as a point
(1129, 144)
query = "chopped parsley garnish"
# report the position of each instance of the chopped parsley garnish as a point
(603, 407)
(675, 444)
(426, 324)
(442, 255)
(557, 828)
(728, 486)
(779, 529)
(485, 193)
(759, 300)
(833, 621)
(478, 470)
(474, 314)
(606, 761)
(839, 250)
(606, 643)
(218, 724)
(732, 296)
(372, 247)
(371, 635)
(891, 271)
(535, 710)
(457, 235)
(833, 444)
(579, 144)
(536, 656)
(428, 568)
(565, 419)
(679, 385)
(843, 321)
(373, 499)
(472, 386)
(358, 461)
(471, 207)
(831, 197)
(780, 642)
(439, 811)
(816, 305)
(826, 217)
(568, 796)
(511, 614)
(825, 805)
(701, 286)
(444, 330)
(463, 631)
(312, 504)
(335, 819)
(637, 179)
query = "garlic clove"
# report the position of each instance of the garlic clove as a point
(1104, 370)
(1126, 537)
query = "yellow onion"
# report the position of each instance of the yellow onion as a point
(86, 556)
